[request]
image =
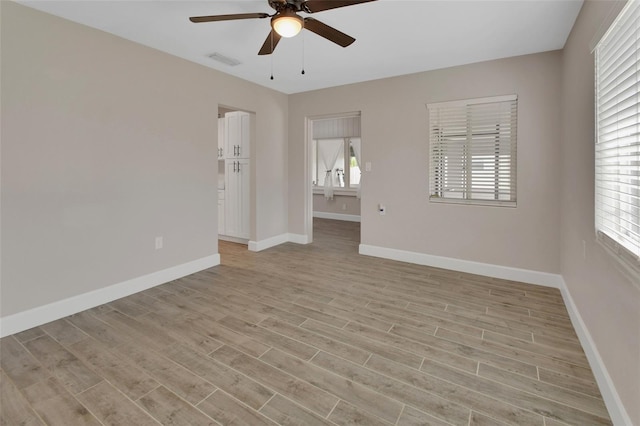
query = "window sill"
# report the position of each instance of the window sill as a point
(337, 191)
(487, 203)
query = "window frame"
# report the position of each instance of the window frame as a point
(338, 190)
(436, 196)
(623, 255)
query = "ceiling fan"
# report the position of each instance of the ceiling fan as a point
(286, 22)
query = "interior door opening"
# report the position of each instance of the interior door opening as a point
(334, 148)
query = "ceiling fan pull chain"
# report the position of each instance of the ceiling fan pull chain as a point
(302, 48)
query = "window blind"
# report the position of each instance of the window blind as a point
(617, 151)
(472, 153)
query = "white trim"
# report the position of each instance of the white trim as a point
(233, 239)
(611, 398)
(25, 320)
(268, 243)
(337, 216)
(475, 101)
(299, 238)
(496, 271)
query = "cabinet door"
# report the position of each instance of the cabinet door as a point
(231, 185)
(238, 134)
(237, 198)
(244, 208)
(244, 142)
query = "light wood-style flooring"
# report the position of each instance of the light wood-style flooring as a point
(308, 335)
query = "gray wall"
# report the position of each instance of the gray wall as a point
(609, 302)
(107, 144)
(351, 204)
(394, 134)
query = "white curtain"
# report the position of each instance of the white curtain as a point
(356, 144)
(329, 151)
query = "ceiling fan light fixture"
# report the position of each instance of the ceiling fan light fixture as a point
(287, 24)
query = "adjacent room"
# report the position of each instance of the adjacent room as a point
(385, 213)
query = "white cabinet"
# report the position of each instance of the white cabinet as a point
(237, 198)
(221, 138)
(237, 134)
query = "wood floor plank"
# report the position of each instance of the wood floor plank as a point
(270, 338)
(564, 396)
(181, 331)
(465, 396)
(287, 413)
(118, 370)
(112, 407)
(516, 397)
(317, 341)
(29, 334)
(236, 384)
(169, 409)
(229, 412)
(72, 372)
(459, 348)
(19, 364)
(305, 394)
(56, 406)
(96, 328)
(585, 386)
(15, 408)
(363, 397)
(346, 313)
(555, 362)
(346, 414)
(354, 339)
(174, 377)
(412, 417)
(428, 402)
(64, 332)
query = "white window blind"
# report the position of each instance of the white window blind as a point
(472, 152)
(617, 156)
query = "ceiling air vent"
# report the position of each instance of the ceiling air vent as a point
(224, 59)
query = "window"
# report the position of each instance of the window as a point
(472, 152)
(617, 151)
(335, 151)
(345, 174)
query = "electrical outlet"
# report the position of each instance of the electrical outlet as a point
(367, 166)
(382, 209)
(159, 243)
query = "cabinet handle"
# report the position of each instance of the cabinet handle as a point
(234, 167)
(238, 167)
(238, 150)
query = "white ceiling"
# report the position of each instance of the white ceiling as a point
(393, 37)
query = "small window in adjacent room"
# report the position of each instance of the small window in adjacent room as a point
(472, 151)
(617, 151)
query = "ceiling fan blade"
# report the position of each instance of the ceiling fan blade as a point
(270, 43)
(228, 17)
(313, 6)
(330, 33)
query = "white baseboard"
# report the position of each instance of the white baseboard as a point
(43, 314)
(496, 271)
(298, 238)
(337, 216)
(611, 398)
(268, 243)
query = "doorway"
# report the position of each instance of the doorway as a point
(333, 149)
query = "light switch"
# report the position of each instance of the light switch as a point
(367, 166)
